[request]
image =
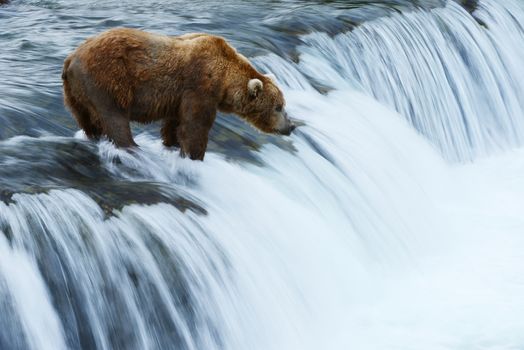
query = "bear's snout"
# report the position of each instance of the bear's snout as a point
(288, 131)
(287, 126)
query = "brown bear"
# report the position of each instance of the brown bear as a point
(125, 75)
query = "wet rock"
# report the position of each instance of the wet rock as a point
(470, 5)
(63, 163)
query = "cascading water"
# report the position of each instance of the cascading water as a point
(358, 233)
(457, 81)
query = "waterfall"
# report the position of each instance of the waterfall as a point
(455, 78)
(394, 219)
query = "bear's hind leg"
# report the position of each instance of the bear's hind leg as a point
(118, 130)
(85, 121)
(115, 124)
(114, 121)
(169, 132)
(83, 116)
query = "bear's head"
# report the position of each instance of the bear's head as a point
(262, 104)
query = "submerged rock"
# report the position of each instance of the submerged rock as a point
(66, 163)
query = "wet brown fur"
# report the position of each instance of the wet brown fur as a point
(125, 75)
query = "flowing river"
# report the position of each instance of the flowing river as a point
(392, 219)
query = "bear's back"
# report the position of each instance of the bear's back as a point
(127, 62)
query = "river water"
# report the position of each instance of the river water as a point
(392, 219)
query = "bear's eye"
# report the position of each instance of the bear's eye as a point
(279, 108)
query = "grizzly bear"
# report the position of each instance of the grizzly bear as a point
(125, 75)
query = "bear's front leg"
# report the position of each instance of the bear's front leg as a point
(169, 132)
(197, 118)
(195, 149)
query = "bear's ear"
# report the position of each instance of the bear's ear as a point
(255, 86)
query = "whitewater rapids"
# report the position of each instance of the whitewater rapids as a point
(395, 222)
